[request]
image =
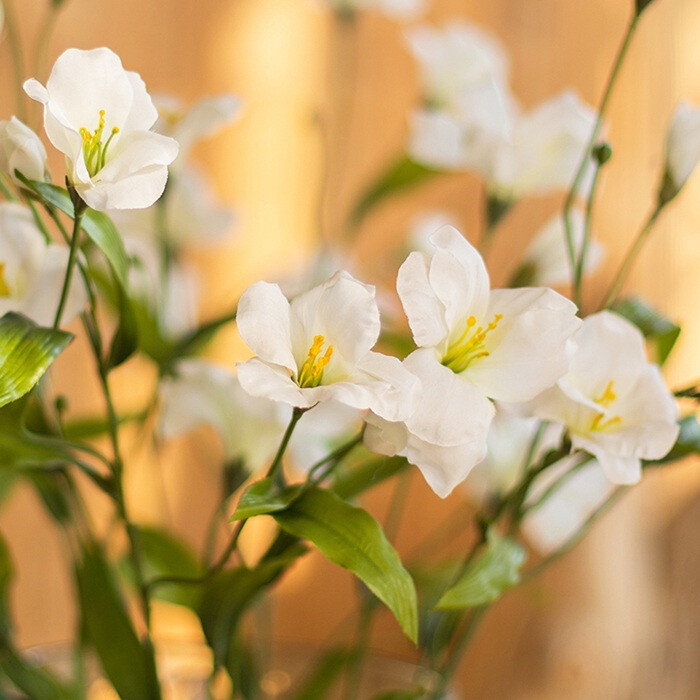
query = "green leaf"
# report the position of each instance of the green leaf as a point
(350, 480)
(401, 175)
(655, 327)
(97, 225)
(351, 538)
(326, 672)
(401, 694)
(264, 498)
(128, 664)
(227, 596)
(26, 352)
(493, 572)
(125, 341)
(163, 555)
(687, 443)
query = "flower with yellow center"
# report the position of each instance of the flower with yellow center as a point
(613, 402)
(318, 348)
(474, 345)
(119, 163)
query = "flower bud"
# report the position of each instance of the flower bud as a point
(22, 150)
(682, 150)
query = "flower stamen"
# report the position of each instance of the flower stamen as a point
(4, 287)
(94, 151)
(470, 346)
(311, 372)
(607, 398)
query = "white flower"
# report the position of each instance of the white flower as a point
(424, 225)
(613, 402)
(560, 516)
(21, 149)
(191, 215)
(546, 260)
(474, 345)
(250, 428)
(545, 151)
(99, 115)
(187, 125)
(32, 272)
(683, 144)
(318, 348)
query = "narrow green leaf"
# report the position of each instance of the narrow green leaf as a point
(128, 664)
(264, 497)
(26, 352)
(655, 327)
(493, 572)
(687, 443)
(125, 341)
(97, 225)
(351, 538)
(32, 681)
(349, 480)
(326, 672)
(400, 175)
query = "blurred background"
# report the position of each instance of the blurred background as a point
(325, 111)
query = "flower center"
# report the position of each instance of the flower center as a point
(312, 370)
(4, 287)
(470, 346)
(94, 150)
(607, 398)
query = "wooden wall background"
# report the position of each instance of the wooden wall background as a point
(620, 618)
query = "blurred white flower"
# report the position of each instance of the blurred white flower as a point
(683, 144)
(250, 428)
(424, 225)
(187, 125)
(21, 149)
(32, 271)
(545, 151)
(546, 260)
(99, 115)
(318, 348)
(614, 403)
(474, 345)
(400, 9)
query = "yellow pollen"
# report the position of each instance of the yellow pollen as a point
(607, 398)
(470, 346)
(311, 372)
(4, 289)
(94, 150)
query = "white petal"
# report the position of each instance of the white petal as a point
(263, 322)
(683, 143)
(273, 382)
(385, 437)
(136, 191)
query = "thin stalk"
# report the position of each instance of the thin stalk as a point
(275, 470)
(333, 459)
(74, 245)
(15, 43)
(6, 192)
(578, 178)
(583, 254)
(630, 258)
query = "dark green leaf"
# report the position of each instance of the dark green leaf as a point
(351, 480)
(31, 681)
(351, 538)
(655, 327)
(26, 352)
(414, 694)
(125, 341)
(97, 225)
(226, 597)
(243, 667)
(264, 498)
(326, 673)
(128, 664)
(401, 175)
(235, 474)
(687, 443)
(494, 571)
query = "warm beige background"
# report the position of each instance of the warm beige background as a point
(620, 617)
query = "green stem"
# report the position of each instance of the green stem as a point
(583, 254)
(13, 39)
(201, 332)
(630, 258)
(74, 245)
(6, 192)
(333, 459)
(578, 178)
(275, 470)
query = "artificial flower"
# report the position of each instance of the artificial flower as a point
(22, 150)
(32, 271)
(99, 115)
(546, 260)
(474, 345)
(318, 348)
(682, 145)
(613, 402)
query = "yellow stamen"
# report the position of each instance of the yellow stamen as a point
(311, 372)
(470, 346)
(4, 288)
(94, 151)
(607, 398)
